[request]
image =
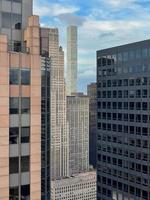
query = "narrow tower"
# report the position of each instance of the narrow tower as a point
(71, 60)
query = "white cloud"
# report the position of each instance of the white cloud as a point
(53, 9)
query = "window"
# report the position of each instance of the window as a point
(13, 165)
(25, 164)
(25, 192)
(25, 76)
(25, 105)
(16, 21)
(14, 105)
(6, 20)
(25, 134)
(14, 135)
(14, 76)
(13, 193)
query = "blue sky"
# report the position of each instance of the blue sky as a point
(102, 24)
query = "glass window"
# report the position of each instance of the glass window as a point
(14, 105)
(14, 135)
(13, 165)
(14, 76)
(6, 20)
(16, 21)
(25, 105)
(25, 164)
(25, 192)
(25, 134)
(25, 76)
(13, 193)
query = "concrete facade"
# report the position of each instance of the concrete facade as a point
(72, 46)
(78, 118)
(59, 127)
(79, 187)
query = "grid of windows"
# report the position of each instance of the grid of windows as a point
(123, 124)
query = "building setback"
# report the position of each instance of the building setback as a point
(59, 127)
(78, 118)
(13, 21)
(123, 156)
(71, 60)
(79, 187)
(92, 94)
(20, 118)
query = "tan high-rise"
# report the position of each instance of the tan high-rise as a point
(71, 78)
(59, 128)
(20, 118)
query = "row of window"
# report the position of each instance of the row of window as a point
(124, 117)
(15, 102)
(124, 187)
(19, 76)
(124, 164)
(122, 152)
(124, 105)
(124, 82)
(125, 175)
(14, 135)
(120, 57)
(14, 164)
(122, 128)
(123, 94)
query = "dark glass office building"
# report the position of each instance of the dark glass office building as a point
(123, 143)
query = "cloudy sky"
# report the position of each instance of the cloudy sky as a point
(102, 24)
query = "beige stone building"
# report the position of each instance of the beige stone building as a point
(78, 118)
(78, 187)
(20, 117)
(59, 127)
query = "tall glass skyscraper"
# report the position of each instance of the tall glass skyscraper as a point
(123, 143)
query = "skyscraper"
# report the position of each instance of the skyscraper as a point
(123, 88)
(71, 78)
(59, 127)
(20, 118)
(14, 18)
(92, 94)
(78, 118)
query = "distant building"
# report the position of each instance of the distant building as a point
(92, 94)
(59, 128)
(71, 59)
(123, 142)
(79, 187)
(78, 118)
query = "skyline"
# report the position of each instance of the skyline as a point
(101, 24)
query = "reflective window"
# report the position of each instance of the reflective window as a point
(25, 134)
(25, 164)
(14, 76)
(13, 193)
(25, 76)
(6, 20)
(14, 105)
(13, 165)
(25, 192)
(14, 135)
(25, 105)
